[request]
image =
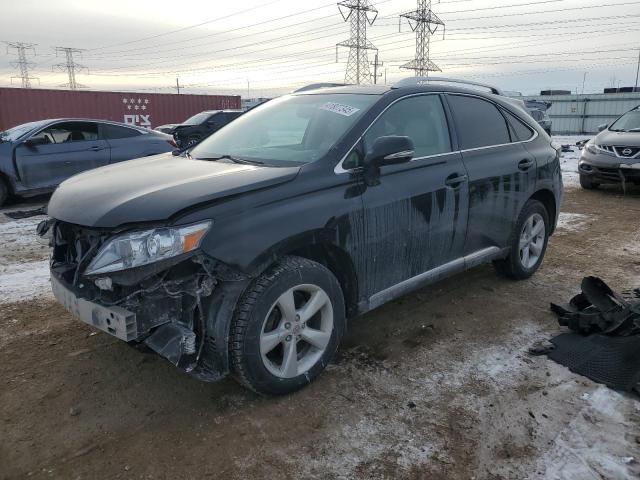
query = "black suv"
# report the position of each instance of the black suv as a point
(201, 125)
(249, 254)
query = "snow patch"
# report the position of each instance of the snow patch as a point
(19, 282)
(569, 160)
(572, 222)
(594, 445)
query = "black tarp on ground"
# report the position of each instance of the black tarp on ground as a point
(614, 361)
(604, 344)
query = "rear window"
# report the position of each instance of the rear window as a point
(479, 122)
(113, 132)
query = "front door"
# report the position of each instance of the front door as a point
(502, 173)
(416, 218)
(69, 148)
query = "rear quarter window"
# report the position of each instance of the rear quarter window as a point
(520, 130)
(113, 132)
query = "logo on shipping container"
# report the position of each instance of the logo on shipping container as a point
(137, 104)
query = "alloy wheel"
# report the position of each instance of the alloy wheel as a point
(532, 238)
(296, 331)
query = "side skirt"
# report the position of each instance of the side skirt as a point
(431, 276)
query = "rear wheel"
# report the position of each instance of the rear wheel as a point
(528, 242)
(587, 183)
(287, 327)
(4, 192)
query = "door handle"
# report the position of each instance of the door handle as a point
(525, 164)
(455, 180)
(96, 148)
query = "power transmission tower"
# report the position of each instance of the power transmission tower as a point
(22, 64)
(425, 23)
(70, 66)
(359, 13)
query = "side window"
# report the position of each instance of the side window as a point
(420, 118)
(479, 122)
(67, 132)
(113, 132)
(521, 131)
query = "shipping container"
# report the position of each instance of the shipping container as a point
(582, 114)
(21, 105)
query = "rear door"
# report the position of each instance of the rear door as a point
(69, 148)
(416, 218)
(502, 173)
(127, 143)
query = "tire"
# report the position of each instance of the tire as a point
(520, 264)
(4, 192)
(265, 333)
(191, 141)
(587, 183)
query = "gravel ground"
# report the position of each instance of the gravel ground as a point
(435, 385)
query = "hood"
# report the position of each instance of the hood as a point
(622, 139)
(154, 189)
(168, 126)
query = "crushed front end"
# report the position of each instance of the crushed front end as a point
(179, 304)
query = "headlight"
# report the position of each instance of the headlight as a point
(591, 148)
(595, 149)
(142, 248)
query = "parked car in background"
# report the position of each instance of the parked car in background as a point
(538, 110)
(168, 128)
(613, 156)
(201, 125)
(249, 254)
(36, 157)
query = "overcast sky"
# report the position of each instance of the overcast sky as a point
(273, 46)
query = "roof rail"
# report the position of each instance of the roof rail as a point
(315, 86)
(417, 81)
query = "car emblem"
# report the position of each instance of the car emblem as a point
(627, 151)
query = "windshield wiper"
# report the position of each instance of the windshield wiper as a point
(636, 129)
(234, 159)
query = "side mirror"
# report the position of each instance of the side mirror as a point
(34, 142)
(389, 150)
(602, 127)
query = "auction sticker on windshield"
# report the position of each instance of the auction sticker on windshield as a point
(339, 108)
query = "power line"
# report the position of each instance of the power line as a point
(424, 23)
(22, 64)
(70, 66)
(359, 13)
(189, 27)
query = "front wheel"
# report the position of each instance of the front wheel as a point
(192, 140)
(287, 327)
(528, 242)
(587, 183)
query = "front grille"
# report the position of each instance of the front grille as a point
(626, 152)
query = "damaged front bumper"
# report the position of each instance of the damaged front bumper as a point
(607, 168)
(179, 309)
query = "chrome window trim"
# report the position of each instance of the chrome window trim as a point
(338, 169)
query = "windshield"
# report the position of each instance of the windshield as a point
(628, 122)
(16, 132)
(198, 118)
(294, 128)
